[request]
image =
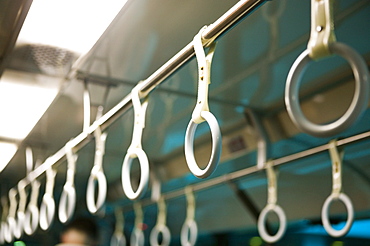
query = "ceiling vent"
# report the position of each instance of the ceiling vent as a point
(44, 59)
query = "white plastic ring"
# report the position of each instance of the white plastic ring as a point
(9, 231)
(67, 203)
(166, 235)
(47, 212)
(189, 233)
(262, 221)
(144, 173)
(216, 146)
(2, 232)
(118, 240)
(102, 190)
(358, 104)
(2, 229)
(325, 215)
(31, 219)
(19, 228)
(137, 238)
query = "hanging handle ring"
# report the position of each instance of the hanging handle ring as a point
(31, 220)
(19, 229)
(118, 240)
(11, 222)
(118, 237)
(337, 194)
(137, 236)
(97, 175)
(135, 150)
(3, 228)
(3, 222)
(201, 113)
(189, 231)
(47, 209)
(32, 213)
(160, 227)
(21, 213)
(271, 207)
(67, 201)
(322, 44)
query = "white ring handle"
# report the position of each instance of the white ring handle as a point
(336, 194)
(118, 240)
(137, 238)
(47, 212)
(10, 228)
(96, 175)
(216, 146)
(3, 222)
(262, 222)
(325, 215)
(137, 235)
(271, 206)
(11, 222)
(2, 240)
(32, 213)
(31, 219)
(47, 209)
(135, 149)
(160, 227)
(19, 227)
(144, 173)
(67, 203)
(118, 237)
(189, 233)
(157, 230)
(201, 112)
(3, 230)
(358, 104)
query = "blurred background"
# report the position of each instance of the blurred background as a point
(50, 49)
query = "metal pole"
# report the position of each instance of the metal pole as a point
(250, 170)
(223, 24)
(232, 17)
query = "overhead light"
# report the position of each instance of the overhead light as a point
(75, 25)
(24, 98)
(7, 151)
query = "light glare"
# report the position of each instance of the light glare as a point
(7, 151)
(75, 25)
(21, 107)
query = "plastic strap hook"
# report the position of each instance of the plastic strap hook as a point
(201, 112)
(68, 198)
(47, 209)
(97, 174)
(271, 207)
(189, 231)
(322, 29)
(135, 150)
(137, 235)
(118, 237)
(336, 194)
